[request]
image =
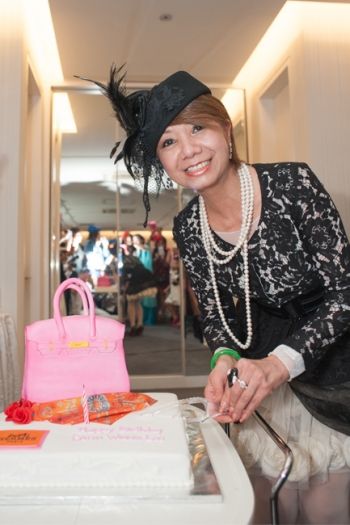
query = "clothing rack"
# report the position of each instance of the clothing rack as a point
(9, 368)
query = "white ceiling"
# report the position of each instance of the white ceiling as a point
(211, 39)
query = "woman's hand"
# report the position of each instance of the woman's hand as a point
(261, 376)
(216, 386)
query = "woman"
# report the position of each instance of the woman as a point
(161, 274)
(172, 300)
(149, 304)
(139, 284)
(269, 262)
(98, 256)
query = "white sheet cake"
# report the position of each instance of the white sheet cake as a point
(145, 450)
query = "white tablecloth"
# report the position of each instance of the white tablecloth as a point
(235, 506)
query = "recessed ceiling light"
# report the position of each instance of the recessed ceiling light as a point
(166, 17)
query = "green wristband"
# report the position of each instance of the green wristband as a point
(223, 351)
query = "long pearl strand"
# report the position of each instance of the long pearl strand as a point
(247, 204)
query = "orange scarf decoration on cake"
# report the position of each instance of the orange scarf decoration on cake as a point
(102, 408)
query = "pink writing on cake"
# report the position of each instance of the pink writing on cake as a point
(123, 433)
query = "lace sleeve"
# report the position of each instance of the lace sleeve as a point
(324, 238)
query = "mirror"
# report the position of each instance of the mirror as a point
(91, 199)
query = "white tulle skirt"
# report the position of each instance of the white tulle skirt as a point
(317, 449)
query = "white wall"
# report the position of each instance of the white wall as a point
(297, 93)
(327, 74)
(11, 161)
(275, 121)
(24, 162)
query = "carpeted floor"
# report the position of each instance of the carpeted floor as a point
(158, 351)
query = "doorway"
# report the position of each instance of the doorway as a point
(91, 194)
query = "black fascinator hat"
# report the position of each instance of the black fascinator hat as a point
(144, 115)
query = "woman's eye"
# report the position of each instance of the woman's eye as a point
(196, 128)
(167, 142)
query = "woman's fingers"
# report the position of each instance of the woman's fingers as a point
(239, 390)
(249, 388)
(236, 399)
(247, 402)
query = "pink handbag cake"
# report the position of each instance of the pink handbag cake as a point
(64, 354)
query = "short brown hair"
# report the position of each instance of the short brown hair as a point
(207, 107)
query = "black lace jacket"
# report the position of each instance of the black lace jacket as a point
(299, 244)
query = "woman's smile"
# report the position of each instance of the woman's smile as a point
(198, 169)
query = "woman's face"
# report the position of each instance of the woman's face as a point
(129, 240)
(77, 240)
(195, 155)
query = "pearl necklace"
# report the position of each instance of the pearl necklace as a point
(247, 203)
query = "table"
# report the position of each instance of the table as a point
(233, 506)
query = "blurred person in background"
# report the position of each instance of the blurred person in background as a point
(149, 304)
(161, 274)
(173, 290)
(139, 283)
(97, 253)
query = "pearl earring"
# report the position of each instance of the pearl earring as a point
(230, 151)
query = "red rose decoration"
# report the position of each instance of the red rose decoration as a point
(20, 412)
(10, 409)
(22, 415)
